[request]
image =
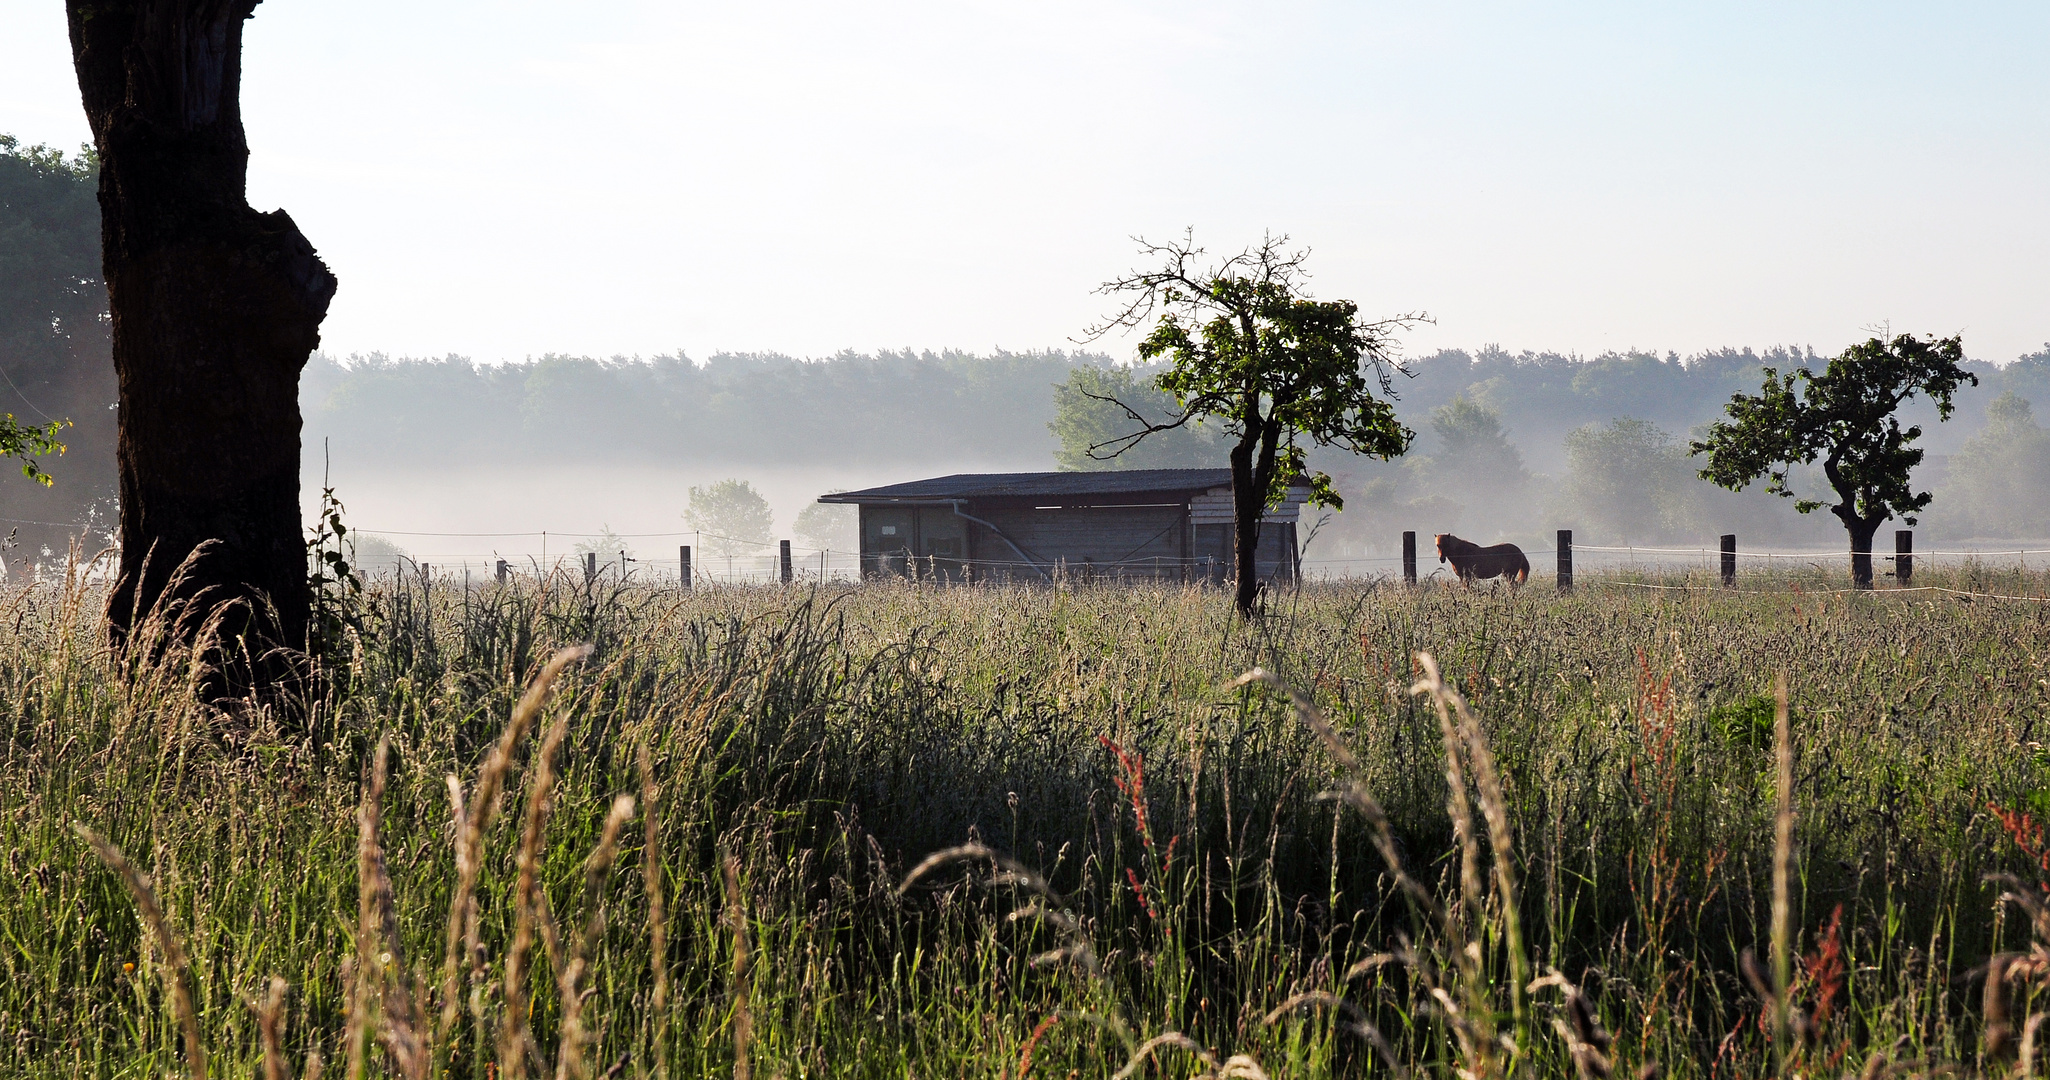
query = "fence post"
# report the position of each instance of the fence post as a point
(426, 572)
(1903, 555)
(1565, 560)
(683, 565)
(590, 567)
(1409, 558)
(501, 571)
(1729, 559)
(783, 558)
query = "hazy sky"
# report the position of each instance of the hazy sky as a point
(510, 178)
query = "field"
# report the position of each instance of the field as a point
(1157, 867)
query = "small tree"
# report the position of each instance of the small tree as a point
(1629, 479)
(1249, 349)
(829, 525)
(731, 518)
(1845, 416)
(1475, 467)
(610, 547)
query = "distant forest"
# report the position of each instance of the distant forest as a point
(1508, 444)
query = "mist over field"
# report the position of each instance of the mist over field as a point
(1508, 446)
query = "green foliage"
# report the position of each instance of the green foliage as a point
(332, 580)
(49, 242)
(1189, 830)
(831, 526)
(731, 517)
(1999, 482)
(1746, 722)
(27, 443)
(1093, 414)
(1474, 465)
(52, 300)
(1846, 417)
(1628, 481)
(1247, 348)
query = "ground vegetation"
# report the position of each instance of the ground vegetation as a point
(912, 829)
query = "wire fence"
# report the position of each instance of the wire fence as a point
(754, 561)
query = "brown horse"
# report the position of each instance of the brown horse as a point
(1472, 561)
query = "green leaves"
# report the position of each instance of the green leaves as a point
(1268, 365)
(28, 442)
(1845, 417)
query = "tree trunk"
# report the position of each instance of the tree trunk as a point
(1252, 472)
(215, 308)
(1247, 503)
(1861, 532)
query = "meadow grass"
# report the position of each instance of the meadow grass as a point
(917, 830)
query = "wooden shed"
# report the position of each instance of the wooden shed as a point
(1143, 523)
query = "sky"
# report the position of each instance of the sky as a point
(514, 178)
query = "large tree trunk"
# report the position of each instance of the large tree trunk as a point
(215, 309)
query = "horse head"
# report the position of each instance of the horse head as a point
(1442, 537)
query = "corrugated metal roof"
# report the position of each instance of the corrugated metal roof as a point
(1042, 485)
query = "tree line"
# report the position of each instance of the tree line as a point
(1508, 443)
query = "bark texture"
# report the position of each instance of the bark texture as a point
(1252, 474)
(215, 309)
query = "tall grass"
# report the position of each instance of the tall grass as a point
(1433, 832)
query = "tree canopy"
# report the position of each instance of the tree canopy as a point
(1845, 416)
(1248, 349)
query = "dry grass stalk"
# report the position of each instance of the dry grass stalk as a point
(569, 1056)
(381, 1006)
(269, 1018)
(1782, 876)
(658, 917)
(530, 911)
(473, 822)
(1494, 807)
(743, 1020)
(176, 970)
(1997, 1036)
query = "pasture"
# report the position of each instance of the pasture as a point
(1159, 868)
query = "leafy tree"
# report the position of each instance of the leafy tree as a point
(731, 518)
(829, 525)
(52, 313)
(1093, 409)
(1845, 416)
(1475, 466)
(1999, 483)
(1249, 350)
(1628, 479)
(609, 546)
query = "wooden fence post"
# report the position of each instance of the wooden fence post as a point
(590, 567)
(1903, 555)
(783, 558)
(1409, 558)
(501, 571)
(683, 565)
(1729, 559)
(1565, 560)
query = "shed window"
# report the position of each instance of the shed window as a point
(889, 530)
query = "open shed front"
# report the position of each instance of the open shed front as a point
(1171, 524)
